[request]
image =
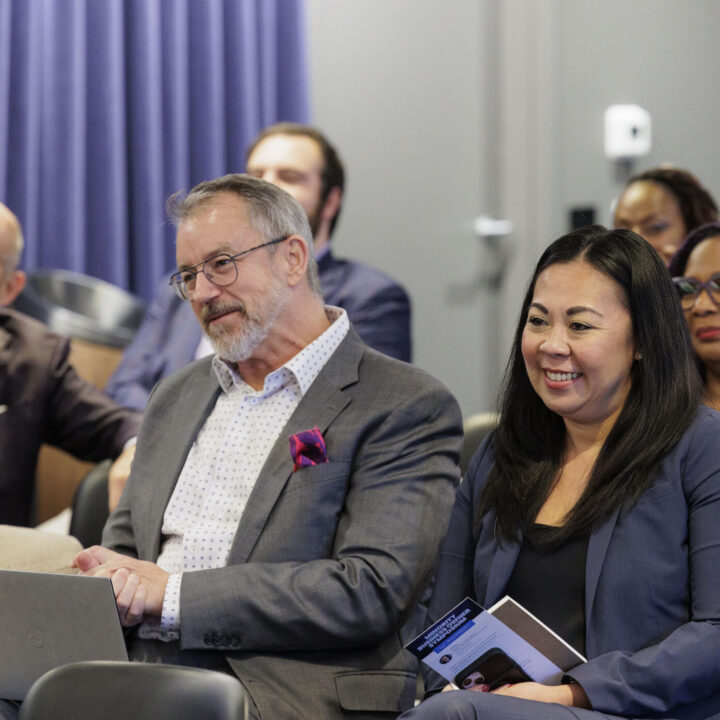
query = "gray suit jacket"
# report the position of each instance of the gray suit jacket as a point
(329, 562)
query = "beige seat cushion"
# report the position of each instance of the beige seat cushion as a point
(29, 549)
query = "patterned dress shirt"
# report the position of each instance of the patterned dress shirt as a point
(223, 464)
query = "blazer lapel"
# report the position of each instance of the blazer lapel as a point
(197, 401)
(501, 567)
(322, 403)
(505, 557)
(597, 549)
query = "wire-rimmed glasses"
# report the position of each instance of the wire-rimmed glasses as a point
(689, 289)
(221, 270)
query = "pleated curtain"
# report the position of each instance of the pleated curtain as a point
(109, 106)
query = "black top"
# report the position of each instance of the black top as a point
(550, 583)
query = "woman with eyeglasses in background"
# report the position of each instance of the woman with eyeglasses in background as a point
(696, 273)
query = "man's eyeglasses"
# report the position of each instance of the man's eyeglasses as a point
(689, 289)
(221, 270)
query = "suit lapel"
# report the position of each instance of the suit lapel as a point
(319, 407)
(196, 402)
(505, 557)
(501, 568)
(597, 549)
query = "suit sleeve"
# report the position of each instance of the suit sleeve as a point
(141, 365)
(382, 320)
(80, 418)
(397, 498)
(682, 667)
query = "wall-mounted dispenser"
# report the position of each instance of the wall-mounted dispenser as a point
(628, 132)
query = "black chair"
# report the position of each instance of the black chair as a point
(81, 306)
(107, 690)
(476, 428)
(90, 505)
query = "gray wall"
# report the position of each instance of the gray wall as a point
(446, 111)
(660, 54)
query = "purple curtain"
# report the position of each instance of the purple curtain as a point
(109, 106)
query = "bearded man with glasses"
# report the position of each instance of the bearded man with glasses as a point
(300, 160)
(288, 494)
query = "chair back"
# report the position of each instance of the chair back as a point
(82, 306)
(90, 505)
(475, 428)
(140, 691)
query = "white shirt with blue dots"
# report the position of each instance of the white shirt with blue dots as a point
(223, 464)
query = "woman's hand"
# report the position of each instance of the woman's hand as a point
(572, 695)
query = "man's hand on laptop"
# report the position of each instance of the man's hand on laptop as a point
(139, 585)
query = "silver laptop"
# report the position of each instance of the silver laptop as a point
(47, 620)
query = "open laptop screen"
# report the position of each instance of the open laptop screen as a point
(49, 619)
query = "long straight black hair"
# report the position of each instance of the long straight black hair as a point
(663, 399)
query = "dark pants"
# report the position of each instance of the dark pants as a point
(471, 705)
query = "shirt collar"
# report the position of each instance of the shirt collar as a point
(303, 367)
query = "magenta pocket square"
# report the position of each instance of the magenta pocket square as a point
(308, 448)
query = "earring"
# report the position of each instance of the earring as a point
(639, 356)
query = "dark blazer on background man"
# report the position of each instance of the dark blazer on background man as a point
(652, 584)
(42, 400)
(378, 308)
(328, 562)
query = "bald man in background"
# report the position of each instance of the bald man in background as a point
(42, 399)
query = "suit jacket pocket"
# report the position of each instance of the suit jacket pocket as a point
(324, 472)
(380, 691)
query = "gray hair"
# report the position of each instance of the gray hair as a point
(273, 212)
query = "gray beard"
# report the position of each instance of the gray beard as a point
(238, 344)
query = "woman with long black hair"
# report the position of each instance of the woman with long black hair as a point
(596, 502)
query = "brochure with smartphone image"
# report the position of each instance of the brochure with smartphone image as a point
(505, 644)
